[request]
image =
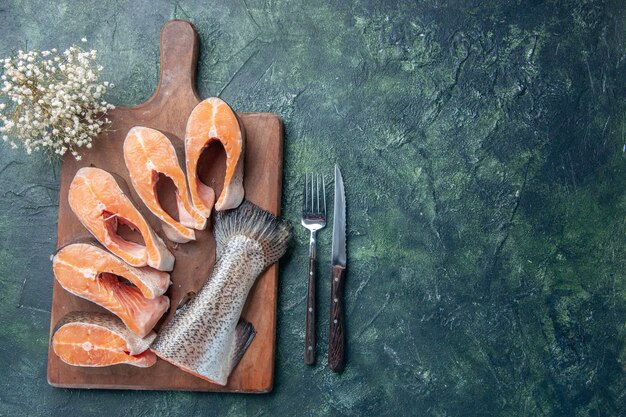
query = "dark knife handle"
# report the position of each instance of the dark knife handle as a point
(336, 335)
(309, 345)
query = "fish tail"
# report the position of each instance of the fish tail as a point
(244, 333)
(272, 233)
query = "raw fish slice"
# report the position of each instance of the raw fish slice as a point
(96, 339)
(148, 153)
(212, 119)
(91, 273)
(90, 260)
(100, 205)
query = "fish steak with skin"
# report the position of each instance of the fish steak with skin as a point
(100, 204)
(97, 339)
(204, 337)
(135, 295)
(213, 120)
(148, 153)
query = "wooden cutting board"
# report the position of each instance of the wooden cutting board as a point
(167, 110)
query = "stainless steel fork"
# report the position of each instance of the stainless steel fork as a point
(314, 219)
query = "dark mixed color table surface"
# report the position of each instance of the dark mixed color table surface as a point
(481, 146)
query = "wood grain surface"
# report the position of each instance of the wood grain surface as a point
(337, 331)
(167, 110)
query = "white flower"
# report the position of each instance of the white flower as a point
(54, 103)
(83, 40)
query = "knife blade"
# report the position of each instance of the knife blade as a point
(336, 335)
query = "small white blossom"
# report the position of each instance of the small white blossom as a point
(53, 103)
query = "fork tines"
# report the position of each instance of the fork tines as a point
(311, 201)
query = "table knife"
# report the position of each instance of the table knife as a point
(336, 335)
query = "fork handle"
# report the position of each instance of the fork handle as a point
(309, 345)
(336, 334)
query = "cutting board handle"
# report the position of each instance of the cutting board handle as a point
(179, 58)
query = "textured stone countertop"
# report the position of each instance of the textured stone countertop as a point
(481, 146)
